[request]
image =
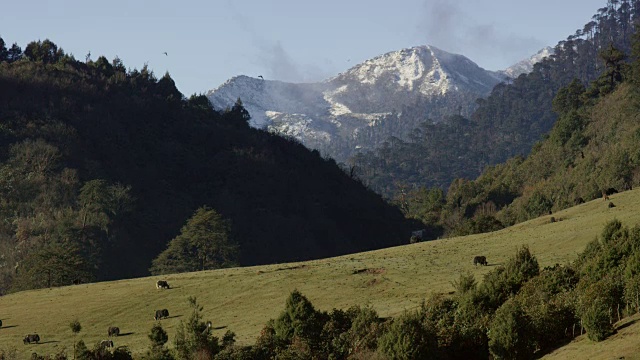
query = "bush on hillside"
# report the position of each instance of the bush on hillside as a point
(504, 282)
(465, 283)
(598, 305)
(157, 351)
(299, 320)
(194, 337)
(548, 301)
(511, 334)
(408, 338)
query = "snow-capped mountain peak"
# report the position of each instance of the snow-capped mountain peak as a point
(335, 112)
(425, 69)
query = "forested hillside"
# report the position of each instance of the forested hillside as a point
(100, 167)
(506, 124)
(591, 151)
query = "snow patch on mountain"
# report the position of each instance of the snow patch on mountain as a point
(340, 108)
(526, 66)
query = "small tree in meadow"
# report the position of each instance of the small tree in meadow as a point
(157, 350)
(194, 338)
(75, 328)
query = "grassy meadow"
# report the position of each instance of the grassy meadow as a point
(243, 299)
(623, 344)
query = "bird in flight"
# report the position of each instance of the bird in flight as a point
(165, 53)
(260, 76)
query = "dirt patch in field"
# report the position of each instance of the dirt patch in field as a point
(293, 267)
(373, 282)
(372, 271)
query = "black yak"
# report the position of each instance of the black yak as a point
(31, 338)
(482, 260)
(113, 331)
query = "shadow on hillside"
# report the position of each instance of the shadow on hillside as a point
(220, 327)
(174, 316)
(48, 342)
(126, 334)
(8, 327)
(627, 324)
(542, 353)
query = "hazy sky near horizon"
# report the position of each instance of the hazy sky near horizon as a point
(208, 42)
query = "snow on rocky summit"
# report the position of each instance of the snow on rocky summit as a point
(335, 110)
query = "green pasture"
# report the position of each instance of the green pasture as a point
(243, 299)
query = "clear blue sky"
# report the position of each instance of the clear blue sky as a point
(209, 41)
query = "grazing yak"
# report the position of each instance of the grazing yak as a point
(106, 344)
(31, 338)
(164, 313)
(162, 284)
(482, 260)
(113, 331)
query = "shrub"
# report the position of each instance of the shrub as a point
(596, 320)
(596, 306)
(503, 282)
(538, 204)
(632, 293)
(8, 354)
(299, 320)
(511, 333)
(494, 290)
(547, 300)
(157, 350)
(408, 338)
(267, 344)
(365, 329)
(522, 267)
(193, 338)
(469, 336)
(236, 353)
(465, 283)
(335, 342)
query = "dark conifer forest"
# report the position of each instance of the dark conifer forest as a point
(101, 166)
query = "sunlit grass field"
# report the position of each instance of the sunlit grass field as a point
(624, 344)
(243, 299)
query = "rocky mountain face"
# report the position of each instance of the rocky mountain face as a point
(526, 66)
(362, 107)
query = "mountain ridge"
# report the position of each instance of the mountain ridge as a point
(332, 114)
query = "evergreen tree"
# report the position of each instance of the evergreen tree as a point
(14, 53)
(75, 328)
(194, 339)
(157, 350)
(3, 50)
(204, 243)
(45, 51)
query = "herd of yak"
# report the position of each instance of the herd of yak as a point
(164, 313)
(113, 330)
